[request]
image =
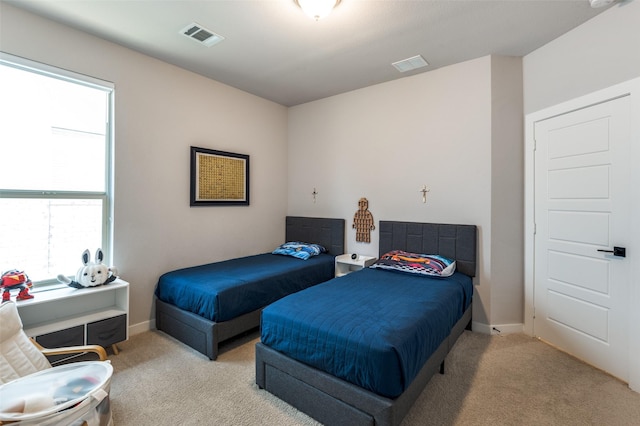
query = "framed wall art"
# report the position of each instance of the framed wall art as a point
(219, 178)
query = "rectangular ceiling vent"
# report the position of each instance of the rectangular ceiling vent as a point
(198, 33)
(410, 63)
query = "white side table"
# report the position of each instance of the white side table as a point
(345, 264)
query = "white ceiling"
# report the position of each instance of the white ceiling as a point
(273, 50)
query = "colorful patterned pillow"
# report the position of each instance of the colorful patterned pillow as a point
(415, 263)
(299, 249)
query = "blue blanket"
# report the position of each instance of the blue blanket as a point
(225, 290)
(374, 328)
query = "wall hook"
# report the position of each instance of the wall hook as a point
(314, 193)
(424, 191)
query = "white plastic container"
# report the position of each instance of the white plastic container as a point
(70, 394)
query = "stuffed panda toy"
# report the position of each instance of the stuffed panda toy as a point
(92, 274)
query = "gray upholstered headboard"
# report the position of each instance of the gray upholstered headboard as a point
(453, 241)
(329, 233)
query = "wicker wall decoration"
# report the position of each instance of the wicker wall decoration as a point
(363, 222)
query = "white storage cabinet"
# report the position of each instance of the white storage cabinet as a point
(69, 316)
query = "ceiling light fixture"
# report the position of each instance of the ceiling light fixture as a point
(317, 9)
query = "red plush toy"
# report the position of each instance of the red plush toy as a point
(15, 279)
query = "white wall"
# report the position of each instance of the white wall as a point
(386, 141)
(162, 110)
(600, 53)
(507, 201)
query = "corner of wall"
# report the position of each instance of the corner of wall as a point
(507, 190)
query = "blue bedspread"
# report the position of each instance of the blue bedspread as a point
(374, 328)
(224, 290)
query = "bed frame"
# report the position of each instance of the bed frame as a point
(205, 335)
(333, 401)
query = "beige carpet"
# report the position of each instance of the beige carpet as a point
(489, 380)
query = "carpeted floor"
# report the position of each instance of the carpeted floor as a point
(489, 380)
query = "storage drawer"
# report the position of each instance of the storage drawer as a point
(73, 336)
(107, 332)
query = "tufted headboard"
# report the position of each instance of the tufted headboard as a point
(329, 233)
(456, 242)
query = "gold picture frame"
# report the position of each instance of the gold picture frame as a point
(219, 178)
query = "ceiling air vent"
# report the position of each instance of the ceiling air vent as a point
(198, 33)
(410, 63)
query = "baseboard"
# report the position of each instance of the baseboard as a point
(476, 326)
(497, 329)
(141, 327)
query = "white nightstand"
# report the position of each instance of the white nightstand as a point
(345, 264)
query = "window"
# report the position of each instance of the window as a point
(55, 168)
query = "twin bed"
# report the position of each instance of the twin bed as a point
(204, 305)
(353, 350)
(359, 349)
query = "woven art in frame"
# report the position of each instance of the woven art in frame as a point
(219, 178)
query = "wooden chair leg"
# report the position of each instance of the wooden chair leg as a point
(115, 349)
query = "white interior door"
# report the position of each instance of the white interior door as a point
(582, 192)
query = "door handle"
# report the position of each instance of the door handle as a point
(617, 251)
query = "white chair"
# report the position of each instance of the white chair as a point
(23, 360)
(20, 355)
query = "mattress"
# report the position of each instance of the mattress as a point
(225, 290)
(373, 328)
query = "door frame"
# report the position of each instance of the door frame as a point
(632, 88)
